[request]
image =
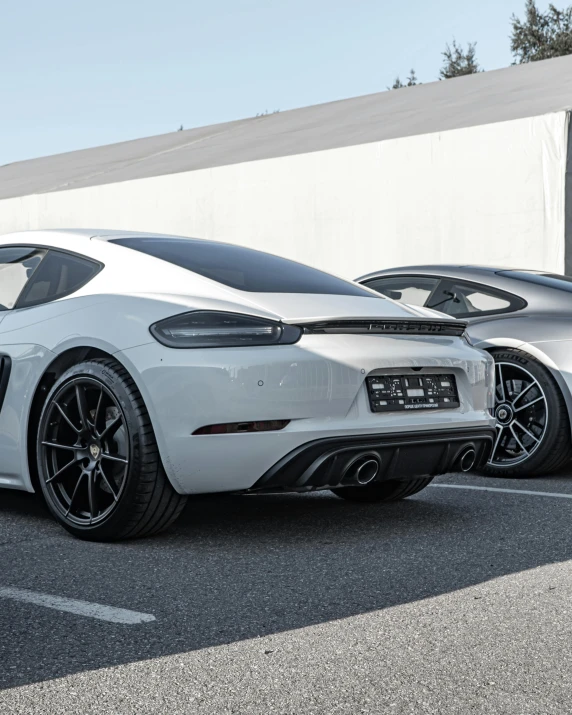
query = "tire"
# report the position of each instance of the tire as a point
(392, 490)
(551, 447)
(114, 486)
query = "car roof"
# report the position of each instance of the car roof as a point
(442, 269)
(45, 235)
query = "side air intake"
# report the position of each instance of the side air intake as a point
(5, 366)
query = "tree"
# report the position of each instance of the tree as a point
(411, 81)
(541, 36)
(459, 62)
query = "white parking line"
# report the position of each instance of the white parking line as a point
(503, 491)
(79, 608)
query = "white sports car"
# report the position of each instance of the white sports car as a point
(136, 369)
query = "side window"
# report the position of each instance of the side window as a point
(464, 300)
(17, 264)
(414, 290)
(58, 275)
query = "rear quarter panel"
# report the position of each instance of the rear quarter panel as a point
(515, 328)
(33, 338)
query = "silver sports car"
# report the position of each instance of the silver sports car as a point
(524, 319)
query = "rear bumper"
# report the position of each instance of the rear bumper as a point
(319, 385)
(329, 463)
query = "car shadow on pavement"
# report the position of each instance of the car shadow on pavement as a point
(239, 567)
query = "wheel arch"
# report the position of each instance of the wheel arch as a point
(56, 368)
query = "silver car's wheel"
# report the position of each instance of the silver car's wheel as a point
(522, 415)
(533, 428)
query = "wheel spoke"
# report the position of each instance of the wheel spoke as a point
(113, 458)
(92, 496)
(96, 415)
(75, 492)
(106, 480)
(55, 445)
(534, 437)
(523, 392)
(501, 383)
(111, 428)
(528, 404)
(66, 418)
(82, 406)
(520, 444)
(60, 471)
(500, 429)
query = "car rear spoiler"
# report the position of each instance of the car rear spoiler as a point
(391, 326)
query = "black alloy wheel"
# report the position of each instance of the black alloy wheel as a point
(533, 428)
(98, 461)
(85, 451)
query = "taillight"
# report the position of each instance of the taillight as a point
(211, 329)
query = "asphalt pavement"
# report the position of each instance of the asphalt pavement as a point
(453, 601)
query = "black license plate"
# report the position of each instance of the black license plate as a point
(393, 393)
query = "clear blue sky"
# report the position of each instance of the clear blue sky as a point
(77, 74)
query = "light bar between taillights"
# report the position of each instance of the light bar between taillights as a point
(454, 328)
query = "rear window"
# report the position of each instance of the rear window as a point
(242, 268)
(549, 280)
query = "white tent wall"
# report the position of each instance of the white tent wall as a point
(568, 206)
(492, 194)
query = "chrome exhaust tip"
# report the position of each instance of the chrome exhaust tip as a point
(367, 471)
(467, 460)
(363, 470)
